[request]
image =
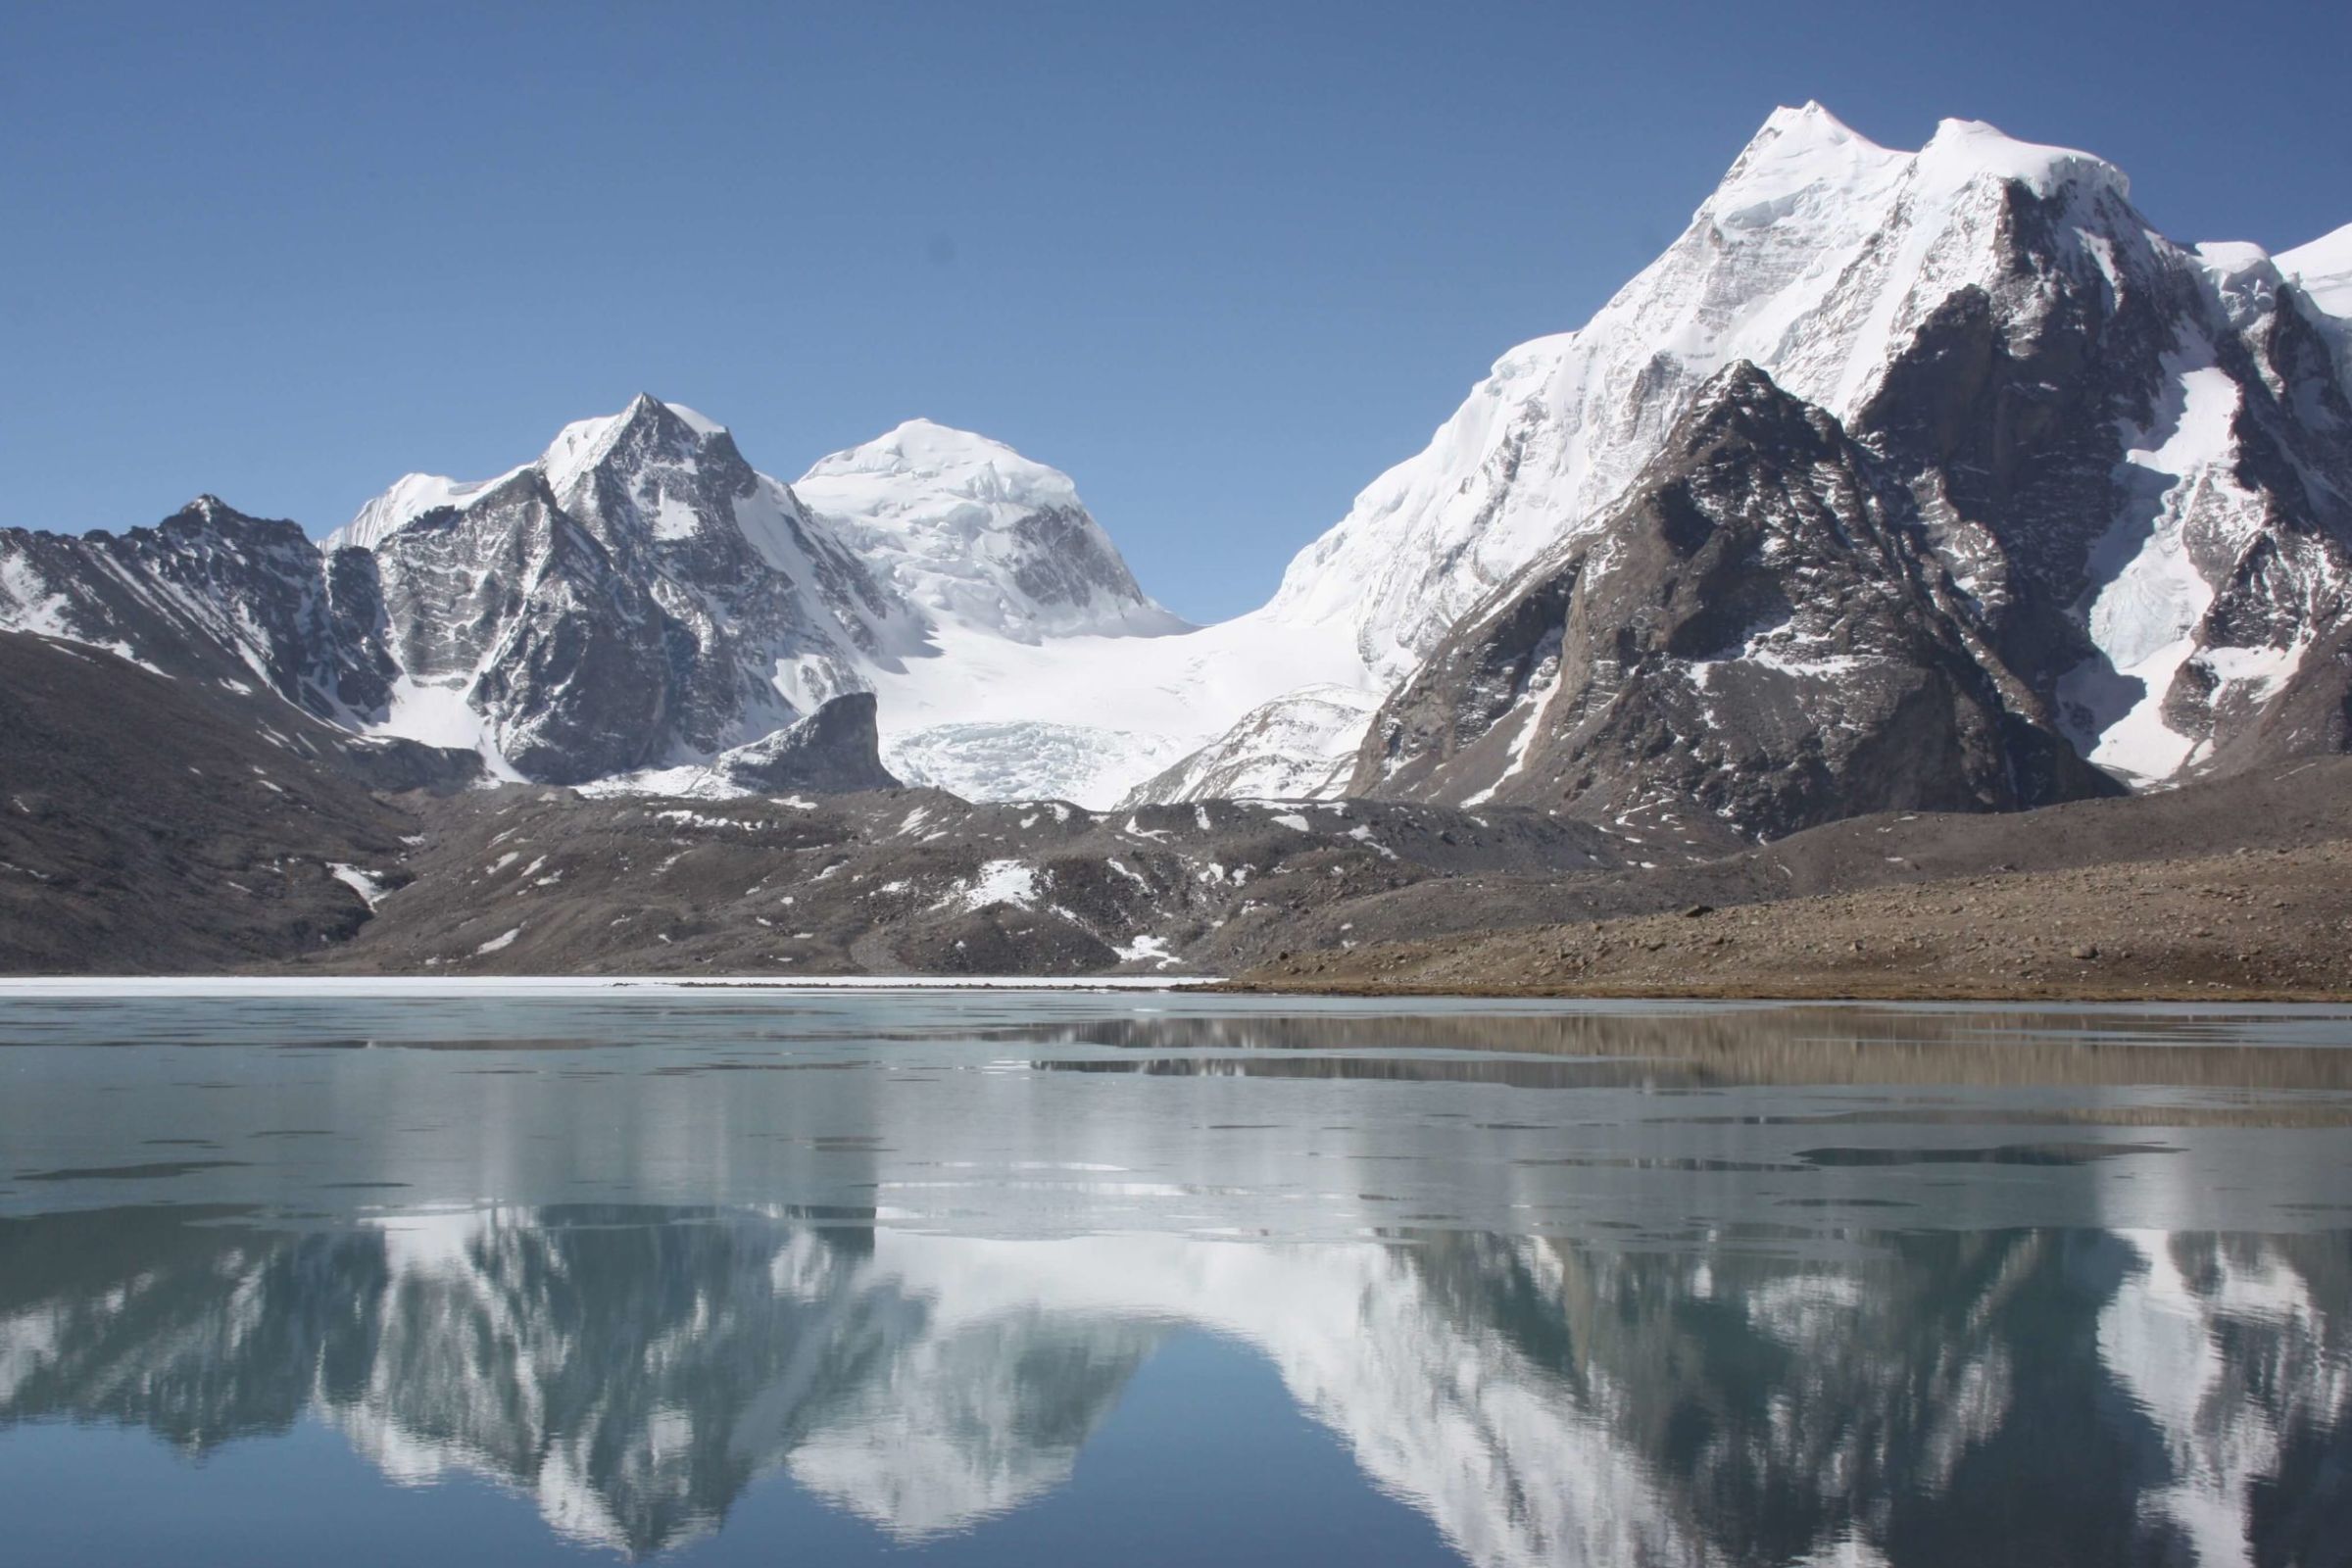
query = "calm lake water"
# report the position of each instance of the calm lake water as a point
(1059, 1278)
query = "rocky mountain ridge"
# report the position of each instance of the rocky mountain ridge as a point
(2051, 491)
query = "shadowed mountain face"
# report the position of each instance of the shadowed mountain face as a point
(1760, 636)
(2087, 1397)
(834, 751)
(220, 846)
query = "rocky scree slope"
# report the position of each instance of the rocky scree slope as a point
(146, 828)
(196, 840)
(531, 881)
(2222, 886)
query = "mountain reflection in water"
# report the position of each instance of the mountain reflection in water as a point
(1714, 1286)
(2085, 1397)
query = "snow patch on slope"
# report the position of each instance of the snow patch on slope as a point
(439, 712)
(1007, 882)
(366, 884)
(2182, 501)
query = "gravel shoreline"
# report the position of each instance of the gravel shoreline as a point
(2245, 926)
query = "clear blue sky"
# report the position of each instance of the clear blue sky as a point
(1222, 263)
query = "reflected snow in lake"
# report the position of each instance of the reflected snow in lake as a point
(730, 1275)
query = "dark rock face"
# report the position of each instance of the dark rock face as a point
(2133, 460)
(2011, 416)
(2100, 505)
(834, 751)
(1756, 634)
(1066, 561)
(573, 673)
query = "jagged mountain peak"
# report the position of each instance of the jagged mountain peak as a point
(1735, 400)
(669, 429)
(1741, 416)
(1809, 150)
(210, 516)
(1806, 118)
(209, 510)
(649, 431)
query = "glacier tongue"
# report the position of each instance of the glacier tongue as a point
(1015, 759)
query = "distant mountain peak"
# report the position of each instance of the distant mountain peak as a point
(961, 462)
(575, 451)
(1807, 128)
(980, 535)
(670, 428)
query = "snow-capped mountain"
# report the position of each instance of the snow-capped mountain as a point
(639, 604)
(2133, 460)
(637, 596)
(969, 533)
(1010, 649)
(639, 599)
(2116, 473)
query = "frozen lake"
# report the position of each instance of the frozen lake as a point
(527, 1274)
